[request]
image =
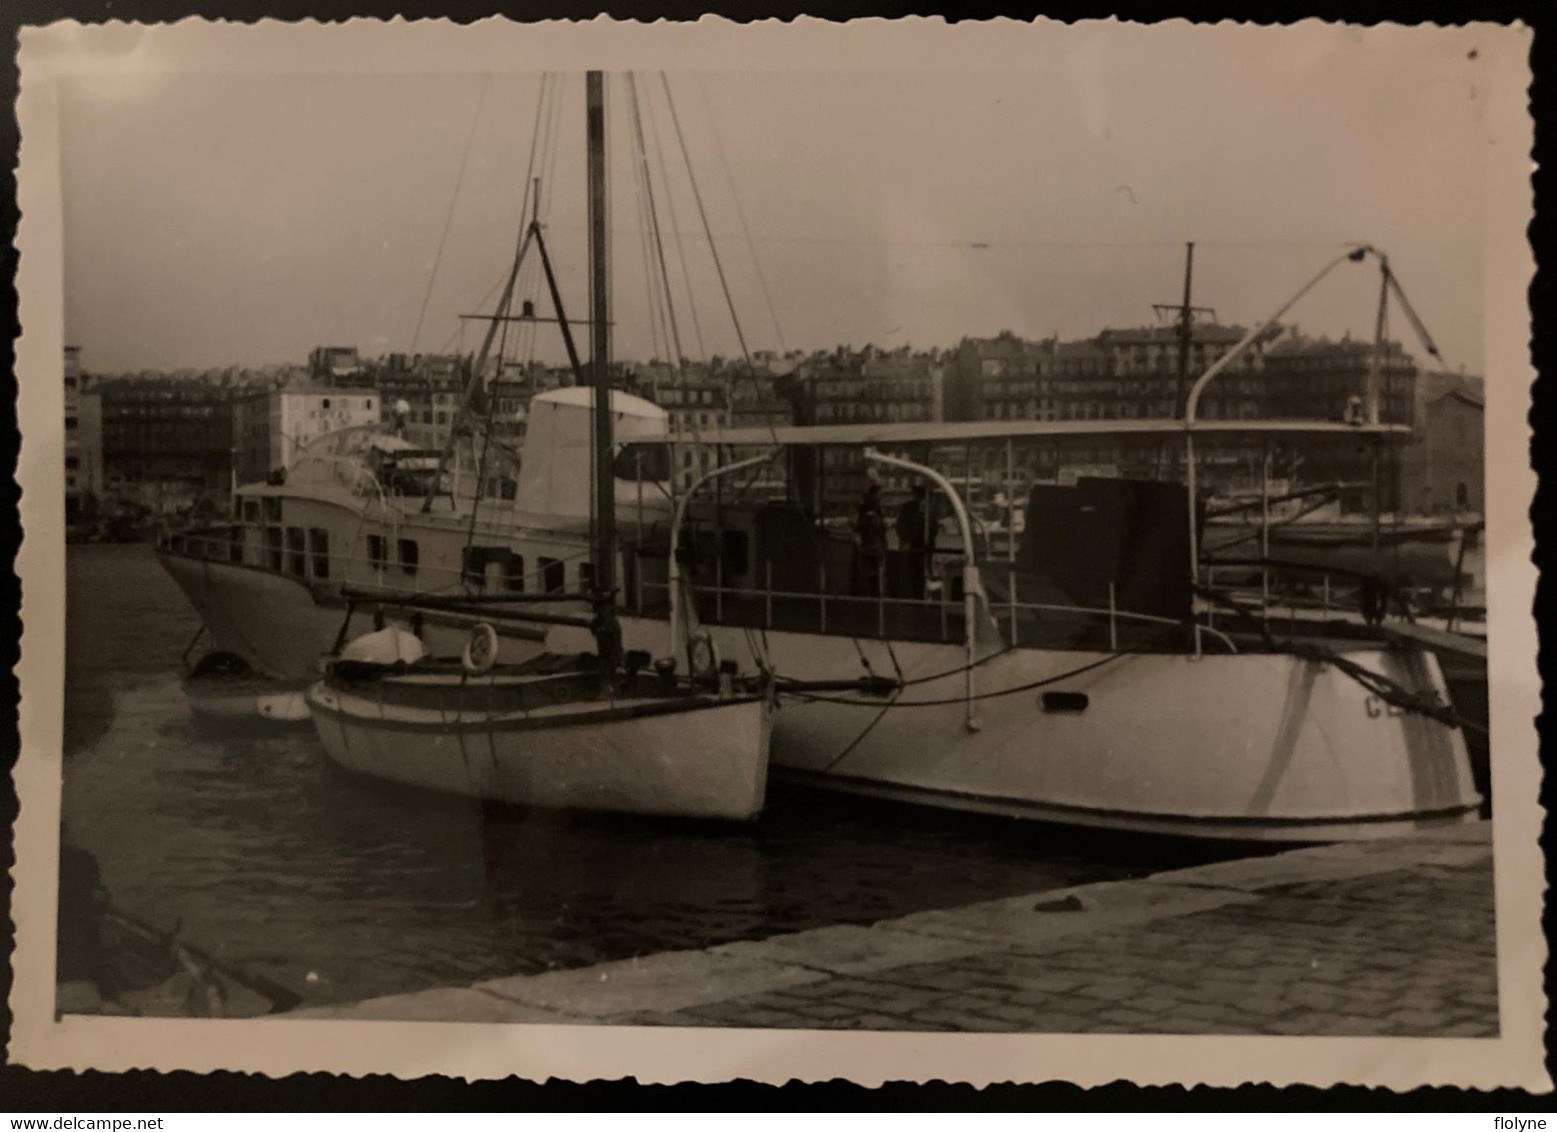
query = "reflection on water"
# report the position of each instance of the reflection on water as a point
(343, 887)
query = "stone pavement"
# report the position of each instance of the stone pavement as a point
(1382, 938)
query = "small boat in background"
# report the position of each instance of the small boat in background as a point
(223, 691)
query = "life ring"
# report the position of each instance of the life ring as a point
(480, 649)
(703, 657)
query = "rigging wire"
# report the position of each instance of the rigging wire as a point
(675, 232)
(1016, 244)
(854, 743)
(814, 697)
(651, 295)
(724, 160)
(653, 212)
(697, 195)
(459, 181)
(1385, 688)
(643, 189)
(458, 333)
(505, 309)
(750, 374)
(546, 192)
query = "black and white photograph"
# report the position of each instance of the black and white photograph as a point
(701, 551)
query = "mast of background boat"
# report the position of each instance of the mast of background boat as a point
(1355, 255)
(1375, 364)
(504, 304)
(607, 632)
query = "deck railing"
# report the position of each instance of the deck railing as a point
(860, 614)
(855, 613)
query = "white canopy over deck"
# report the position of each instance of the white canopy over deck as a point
(956, 432)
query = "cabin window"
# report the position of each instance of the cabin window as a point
(377, 551)
(296, 552)
(477, 559)
(650, 463)
(410, 555)
(553, 580)
(273, 548)
(251, 511)
(235, 544)
(586, 576)
(1461, 495)
(273, 508)
(319, 545)
(516, 573)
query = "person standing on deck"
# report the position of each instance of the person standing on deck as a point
(871, 528)
(82, 953)
(916, 536)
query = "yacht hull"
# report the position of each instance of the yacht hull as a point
(698, 757)
(1249, 746)
(282, 627)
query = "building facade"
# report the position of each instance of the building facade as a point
(335, 365)
(425, 390)
(271, 426)
(695, 401)
(167, 442)
(1444, 468)
(83, 443)
(1135, 373)
(1318, 379)
(871, 387)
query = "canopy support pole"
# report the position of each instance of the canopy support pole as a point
(677, 518)
(971, 586)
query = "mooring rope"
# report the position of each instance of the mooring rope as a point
(1389, 690)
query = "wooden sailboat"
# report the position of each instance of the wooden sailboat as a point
(599, 730)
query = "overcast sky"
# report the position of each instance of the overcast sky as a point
(215, 219)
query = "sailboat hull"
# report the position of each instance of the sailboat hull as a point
(1260, 747)
(699, 757)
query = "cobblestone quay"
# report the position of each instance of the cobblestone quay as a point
(1390, 938)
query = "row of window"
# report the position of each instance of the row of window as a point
(162, 411)
(324, 403)
(251, 509)
(686, 422)
(879, 411)
(478, 561)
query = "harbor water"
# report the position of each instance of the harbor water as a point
(341, 888)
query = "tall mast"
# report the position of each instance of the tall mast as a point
(1376, 359)
(1186, 331)
(599, 365)
(1375, 364)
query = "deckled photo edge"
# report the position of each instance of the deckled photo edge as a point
(278, 1046)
